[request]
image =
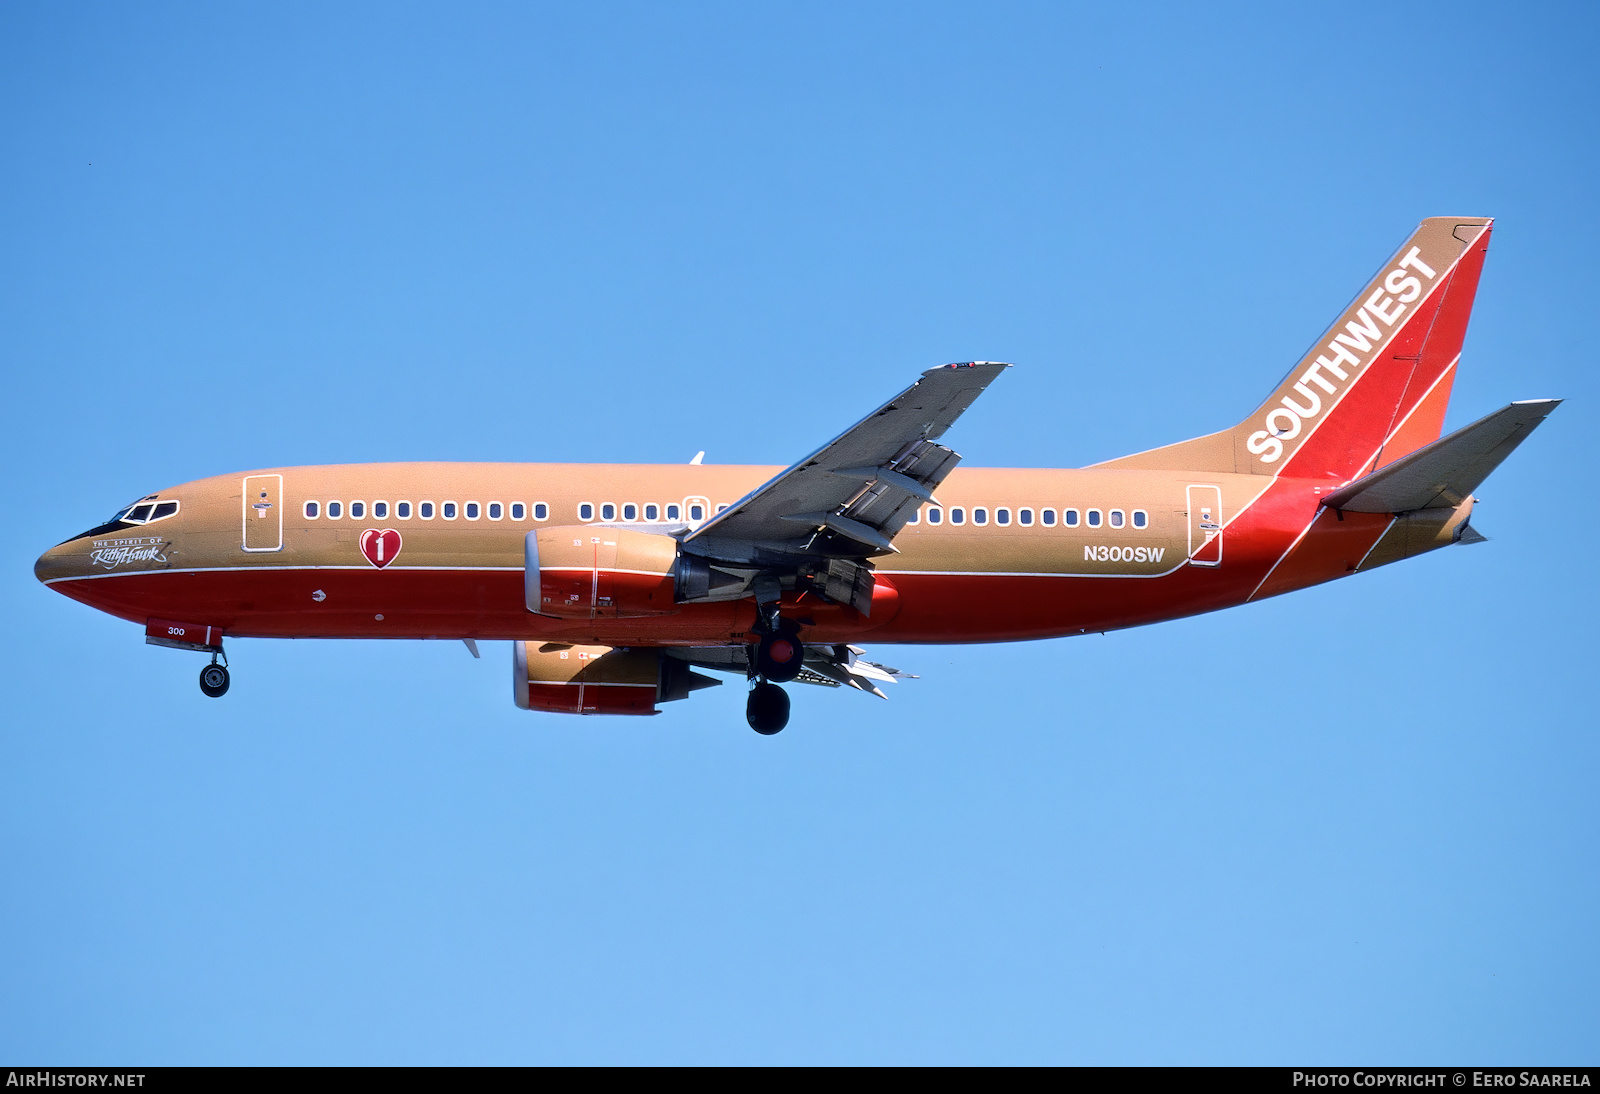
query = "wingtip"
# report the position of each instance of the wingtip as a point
(992, 367)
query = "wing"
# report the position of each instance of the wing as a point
(847, 500)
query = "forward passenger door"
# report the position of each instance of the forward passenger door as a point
(263, 513)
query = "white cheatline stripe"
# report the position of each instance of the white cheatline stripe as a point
(1021, 573)
(587, 683)
(1450, 368)
(578, 570)
(1377, 351)
(280, 569)
(1392, 433)
(1303, 532)
(1374, 547)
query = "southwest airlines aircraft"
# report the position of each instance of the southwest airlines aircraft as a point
(615, 582)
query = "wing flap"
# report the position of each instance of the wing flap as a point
(826, 666)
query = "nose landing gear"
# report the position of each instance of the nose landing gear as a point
(214, 679)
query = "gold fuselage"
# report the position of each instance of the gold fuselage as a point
(463, 578)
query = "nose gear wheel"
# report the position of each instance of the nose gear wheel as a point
(214, 680)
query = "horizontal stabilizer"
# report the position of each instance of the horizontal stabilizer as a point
(1443, 474)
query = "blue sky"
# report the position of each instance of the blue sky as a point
(1353, 824)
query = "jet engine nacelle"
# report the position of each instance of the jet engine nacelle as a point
(562, 679)
(589, 571)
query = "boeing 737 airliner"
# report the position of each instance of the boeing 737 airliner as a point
(614, 583)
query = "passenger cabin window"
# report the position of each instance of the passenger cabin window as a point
(697, 512)
(1002, 516)
(913, 519)
(541, 511)
(425, 510)
(1093, 518)
(1141, 519)
(958, 515)
(335, 510)
(980, 516)
(358, 510)
(630, 511)
(402, 509)
(311, 510)
(380, 510)
(1117, 518)
(720, 508)
(1025, 517)
(652, 512)
(473, 512)
(448, 510)
(1069, 517)
(519, 511)
(1048, 517)
(935, 514)
(608, 511)
(586, 511)
(674, 512)
(496, 511)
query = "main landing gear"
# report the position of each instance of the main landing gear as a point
(776, 659)
(214, 678)
(767, 709)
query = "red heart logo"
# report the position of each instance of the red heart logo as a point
(380, 547)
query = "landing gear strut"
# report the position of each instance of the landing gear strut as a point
(776, 658)
(214, 678)
(767, 709)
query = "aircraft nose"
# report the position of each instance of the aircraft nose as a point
(52, 564)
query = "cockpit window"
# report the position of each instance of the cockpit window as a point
(140, 512)
(146, 512)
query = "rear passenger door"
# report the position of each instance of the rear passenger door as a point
(1205, 525)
